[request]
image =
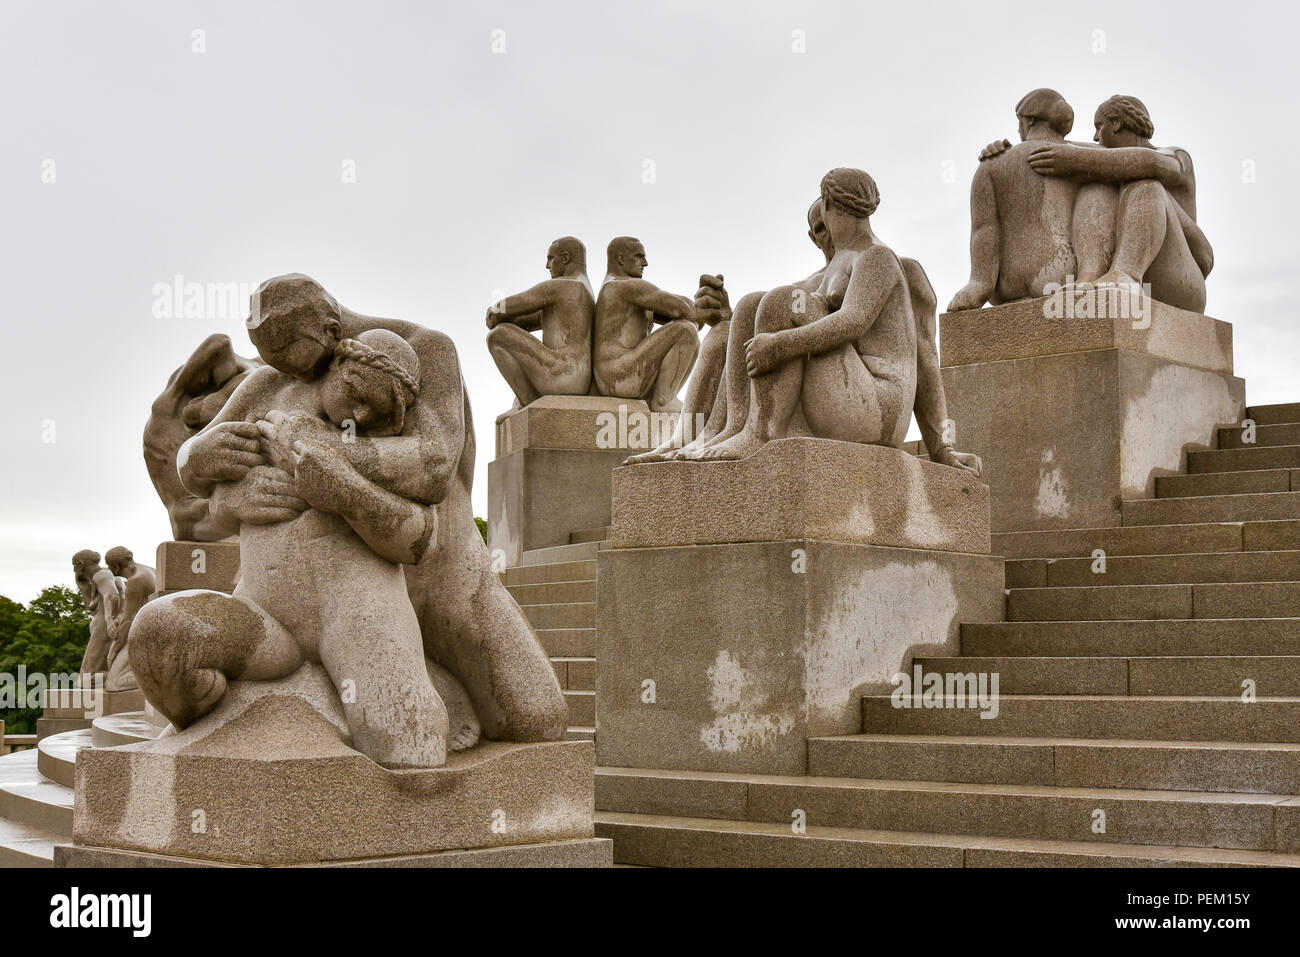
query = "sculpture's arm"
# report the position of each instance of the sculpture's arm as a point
(666, 306)
(228, 446)
(931, 405)
(1118, 165)
(985, 244)
(524, 309)
(876, 278)
(396, 528)
(196, 373)
(105, 583)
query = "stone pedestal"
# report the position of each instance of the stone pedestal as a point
(746, 606)
(183, 565)
(1073, 413)
(552, 466)
(268, 779)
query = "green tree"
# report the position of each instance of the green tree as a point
(482, 527)
(48, 636)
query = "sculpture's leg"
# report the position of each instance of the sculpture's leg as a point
(532, 368)
(735, 379)
(183, 647)
(656, 368)
(95, 660)
(774, 396)
(1153, 248)
(842, 400)
(1092, 229)
(675, 368)
(372, 650)
(701, 396)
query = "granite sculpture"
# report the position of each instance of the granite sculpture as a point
(137, 584)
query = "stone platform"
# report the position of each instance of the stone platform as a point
(268, 778)
(1072, 416)
(184, 565)
(552, 468)
(729, 656)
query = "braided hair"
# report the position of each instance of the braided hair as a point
(405, 385)
(1131, 113)
(851, 190)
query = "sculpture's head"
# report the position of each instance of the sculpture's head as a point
(563, 254)
(372, 381)
(626, 257)
(817, 230)
(1123, 121)
(119, 560)
(849, 197)
(85, 563)
(294, 323)
(1046, 107)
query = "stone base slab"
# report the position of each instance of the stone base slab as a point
(581, 422)
(579, 852)
(729, 657)
(803, 488)
(1053, 325)
(1066, 438)
(268, 778)
(182, 565)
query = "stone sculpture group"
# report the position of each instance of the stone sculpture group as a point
(114, 597)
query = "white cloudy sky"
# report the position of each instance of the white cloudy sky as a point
(225, 167)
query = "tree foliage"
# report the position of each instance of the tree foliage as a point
(48, 636)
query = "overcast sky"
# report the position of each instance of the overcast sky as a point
(226, 166)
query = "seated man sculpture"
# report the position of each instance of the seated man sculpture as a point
(137, 586)
(720, 388)
(467, 622)
(99, 590)
(194, 395)
(633, 360)
(564, 309)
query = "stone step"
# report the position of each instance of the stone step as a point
(1263, 822)
(575, 674)
(56, 756)
(1173, 637)
(1129, 602)
(582, 708)
(571, 614)
(580, 734)
(1218, 676)
(1282, 413)
(45, 727)
(1264, 566)
(1105, 716)
(1065, 762)
(554, 572)
(661, 841)
(1228, 483)
(22, 845)
(1120, 540)
(568, 642)
(554, 593)
(29, 798)
(582, 552)
(1244, 460)
(1262, 506)
(1266, 436)
(129, 728)
(601, 534)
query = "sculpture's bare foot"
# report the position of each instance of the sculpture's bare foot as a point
(661, 454)
(1117, 278)
(966, 461)
(739, 446)
(973, 295)
(673, 405)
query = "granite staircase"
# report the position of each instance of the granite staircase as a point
(1149, 708)
(556, 588)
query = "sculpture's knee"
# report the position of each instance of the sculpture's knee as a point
(498, 337)
(777, 310)
(543, 716)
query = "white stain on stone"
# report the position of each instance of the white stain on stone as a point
(744, 719)
(1180, 407)
(1052, 500)
(151, 812)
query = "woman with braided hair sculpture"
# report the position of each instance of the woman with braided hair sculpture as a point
(841, 362)
(327, 585)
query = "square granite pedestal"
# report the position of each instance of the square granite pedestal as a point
(747, 606)
(1073, 414)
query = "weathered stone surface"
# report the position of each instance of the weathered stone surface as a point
(1039, 327)
(276, 782)
(755, 647)
(803, 488)
(586, 422)
(213, 565)
(1064, 438)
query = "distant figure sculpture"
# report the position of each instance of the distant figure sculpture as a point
(1121, 215)
(720, 387)
(377, 497)
(633, 360)
(99, 590)
(564, 309)
(138, 585)
(194, 394)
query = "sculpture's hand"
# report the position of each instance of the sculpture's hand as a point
(1057, 159)
(971, 296)
(493, 317)
(712, 304)
(323, 476)
(264, 496)
(966, 461)
(762, 354)
(280, 431)
(996, 148)
(223, 454)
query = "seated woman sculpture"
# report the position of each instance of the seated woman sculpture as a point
(326, 585)
(840, 362)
